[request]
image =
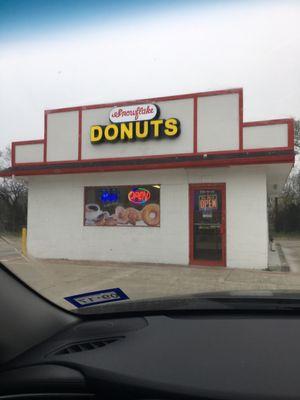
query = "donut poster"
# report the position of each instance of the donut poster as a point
(131, 206)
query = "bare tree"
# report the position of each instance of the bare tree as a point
(13, 198)
(287, 215)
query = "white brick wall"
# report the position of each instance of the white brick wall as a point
(55, 217)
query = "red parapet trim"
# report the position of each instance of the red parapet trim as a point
(281, 121)
(25, 142)
(79, 134)
(291, 133)
(13, 154)
(22, 143)
(195, 144)
(241, 117)
(45, 135)
(278, 121)
(273, 159)
(153, 99)
(219, 92)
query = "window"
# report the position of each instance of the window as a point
(133, 206)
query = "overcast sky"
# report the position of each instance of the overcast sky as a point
(57, 54)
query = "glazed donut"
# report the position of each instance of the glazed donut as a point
(100, 221)
(133, 215)
(121, 215)
(110, 221)
(151, 215)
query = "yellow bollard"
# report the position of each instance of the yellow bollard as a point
(24, 241)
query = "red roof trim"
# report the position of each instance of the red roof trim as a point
(164, 98)
(264, 159)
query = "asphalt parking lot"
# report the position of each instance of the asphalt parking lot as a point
(56, 279)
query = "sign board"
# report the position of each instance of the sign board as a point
(132, 123)
(140, 112)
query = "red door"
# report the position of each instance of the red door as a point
(208, 224)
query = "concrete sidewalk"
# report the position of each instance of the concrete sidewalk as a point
(291, 249)
(56, 279)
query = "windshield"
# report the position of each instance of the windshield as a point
(149, 150)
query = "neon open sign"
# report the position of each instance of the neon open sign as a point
(109, 196)
(208, 201)
(139, 196)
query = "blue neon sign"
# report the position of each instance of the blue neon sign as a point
(109, 196)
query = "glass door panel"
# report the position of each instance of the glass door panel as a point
(208, 225)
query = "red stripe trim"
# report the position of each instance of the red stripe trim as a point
(25, 142)
(45, 135)
(79, 134)
(195, 145)
(277, 121)
(13, 154)
(185, 164)
(291, 133)
(241, 111)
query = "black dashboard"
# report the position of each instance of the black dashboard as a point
(208, 356)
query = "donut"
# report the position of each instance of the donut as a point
(121, 215)
(150, 214)
(114, 217)
(133, 215)
(110, 221)
(100, 221)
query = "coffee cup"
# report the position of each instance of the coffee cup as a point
(92, 211)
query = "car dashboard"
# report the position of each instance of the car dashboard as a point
(208, 356)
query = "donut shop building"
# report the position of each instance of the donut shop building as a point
(176, 180)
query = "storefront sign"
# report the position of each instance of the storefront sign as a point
(133, 123)
(141, 112)
(139, 196)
